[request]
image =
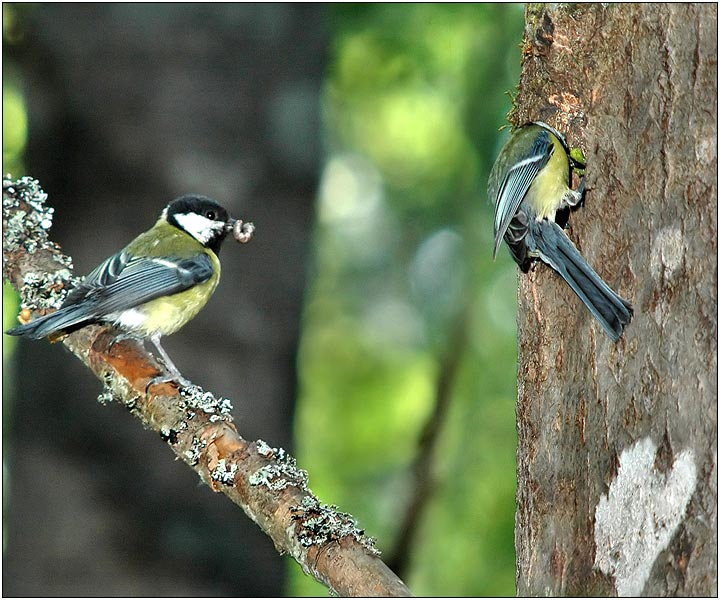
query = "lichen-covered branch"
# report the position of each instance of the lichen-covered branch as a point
(264, 481)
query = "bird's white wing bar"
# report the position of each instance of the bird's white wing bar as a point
(514, 187)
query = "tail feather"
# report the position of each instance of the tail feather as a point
(556, 249)
(65, 319)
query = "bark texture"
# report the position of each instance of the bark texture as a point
(617, 454)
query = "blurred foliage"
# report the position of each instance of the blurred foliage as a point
(14, 113)
(11, 305)
(415, 96)
(14, 127)
(15, 132)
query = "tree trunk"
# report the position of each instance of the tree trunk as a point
(617, 450)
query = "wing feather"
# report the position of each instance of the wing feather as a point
(517, 182)
(130, 281)
(120, 283)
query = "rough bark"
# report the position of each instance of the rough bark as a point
(264, 481)
(617, 454)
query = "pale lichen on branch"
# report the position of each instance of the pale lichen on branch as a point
(26, 222)
(197, 425)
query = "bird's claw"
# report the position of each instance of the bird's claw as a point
(160, 379)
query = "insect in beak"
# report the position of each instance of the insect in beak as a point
(241, 231)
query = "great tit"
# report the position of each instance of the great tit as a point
(530, 184)
(156, 284)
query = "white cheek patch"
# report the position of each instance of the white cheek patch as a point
(201, 228)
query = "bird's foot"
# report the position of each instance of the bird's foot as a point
(178, 379)
(575, 197)
(125, 336)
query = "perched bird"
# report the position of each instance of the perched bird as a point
(156, 284)
(529, 184)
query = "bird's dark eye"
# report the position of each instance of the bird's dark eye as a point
(210, 214)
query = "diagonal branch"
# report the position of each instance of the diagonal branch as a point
(264, 481)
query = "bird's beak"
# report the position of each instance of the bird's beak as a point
(230, 224)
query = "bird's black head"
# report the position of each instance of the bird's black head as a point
(202, 218)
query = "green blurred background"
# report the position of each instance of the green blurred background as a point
(404, 288)
(405, 309)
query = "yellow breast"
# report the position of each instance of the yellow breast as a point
(548, 189)
(168, 314)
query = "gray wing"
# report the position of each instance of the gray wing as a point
(121, 282)
(124, 281)
(102, 275)
(516, 183)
